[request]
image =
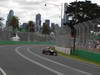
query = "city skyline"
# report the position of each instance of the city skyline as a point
(27, 9)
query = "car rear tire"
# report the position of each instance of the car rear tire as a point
(55, 54)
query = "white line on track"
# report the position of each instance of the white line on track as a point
(66, 66)
(2, 71)
(37, 63)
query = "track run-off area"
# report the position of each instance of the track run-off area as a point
(29, 60)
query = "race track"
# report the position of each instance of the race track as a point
(29, 60)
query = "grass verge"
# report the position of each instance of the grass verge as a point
(79, 58)
(24, 42)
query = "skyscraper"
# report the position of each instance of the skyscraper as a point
(65, 18)
(9, 17)
(38, 22)
(47, 22)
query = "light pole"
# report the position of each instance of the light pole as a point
(61, 10)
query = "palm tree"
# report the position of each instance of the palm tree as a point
(31, 26)
(46, 29)
(15, 23)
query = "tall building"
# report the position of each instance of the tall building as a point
(47, 21)
(38, 22)
(65, 17)
(9, 17)
(1, 22)
(24, 25)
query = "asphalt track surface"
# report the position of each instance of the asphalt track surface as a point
(29, 60)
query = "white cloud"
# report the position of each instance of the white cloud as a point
(27, 9)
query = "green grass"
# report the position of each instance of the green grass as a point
(79, 58)
(24, 42)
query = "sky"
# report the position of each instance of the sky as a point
(27, 9)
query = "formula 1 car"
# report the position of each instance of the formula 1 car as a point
(49, 51)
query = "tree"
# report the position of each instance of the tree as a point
(14, 23)
(46, 29)
(83, 11)
(52, 27)
(31, 26)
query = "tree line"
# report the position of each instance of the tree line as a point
(14, 23)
